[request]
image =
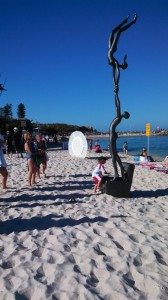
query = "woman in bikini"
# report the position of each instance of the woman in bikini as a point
(30, 150)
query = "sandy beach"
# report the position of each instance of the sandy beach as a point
(58, 240)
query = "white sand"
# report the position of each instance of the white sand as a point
(58, 240)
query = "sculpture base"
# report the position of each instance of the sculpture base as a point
(119, 188)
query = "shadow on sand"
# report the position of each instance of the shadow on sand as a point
(149, 194)
(43, 223)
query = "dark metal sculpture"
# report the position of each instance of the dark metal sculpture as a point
(113, 40)
(2, 88)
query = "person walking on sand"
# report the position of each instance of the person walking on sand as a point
(42, 157)
(17, 138)
(3, 165)
(125, 148)
(30, 150)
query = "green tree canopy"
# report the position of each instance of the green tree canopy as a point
(21, 111)
(7, 111)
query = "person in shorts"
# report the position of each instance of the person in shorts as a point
(41, 157)
(125, 148)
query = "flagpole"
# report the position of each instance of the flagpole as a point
(148, 133)
(148, 145)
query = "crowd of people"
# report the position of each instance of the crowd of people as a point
(35, 152)
(36, 156)
(34, 149)
(14, 142)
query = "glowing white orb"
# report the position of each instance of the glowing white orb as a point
(77, 145)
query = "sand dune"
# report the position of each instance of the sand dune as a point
(58, 240)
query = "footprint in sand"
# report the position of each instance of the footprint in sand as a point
(96, 231)
(2, 248)
(110, 268)
(37, 252)
(8, 283)
(67, 248)
(71, 259)
(93, 263)
(159, 258)
(41, 279)
(107, 258)
(6, 265)
(75, 243)
(118, 245)
(137, 261)
(50, 288)
(98, 251)
(77, 269)
(19, 296)
(51, 260)
(133, 238)
(129, 279)
(73, 234)
(155, 237)
(92, 280)
(40, 276)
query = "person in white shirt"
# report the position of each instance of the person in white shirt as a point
(98, 173)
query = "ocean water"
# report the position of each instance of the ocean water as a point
(158, 145)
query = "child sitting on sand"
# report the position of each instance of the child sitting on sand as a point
(98, 173)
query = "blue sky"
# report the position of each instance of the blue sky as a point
(53, 55)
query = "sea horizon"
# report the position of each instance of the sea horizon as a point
(157, 145)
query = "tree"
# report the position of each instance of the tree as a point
(7, 111)
(21, 111)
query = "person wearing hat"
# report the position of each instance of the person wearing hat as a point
(3, 165)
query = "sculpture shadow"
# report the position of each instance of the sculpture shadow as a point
(96, 157)
(81, 175)
(66, 186)
(43, 223)
(38, 197)
(45, 204)
(149, 194)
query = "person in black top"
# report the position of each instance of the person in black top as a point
(41, 157)
(17, 138)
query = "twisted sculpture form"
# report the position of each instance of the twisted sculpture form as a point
(2, 88)
(113, 40)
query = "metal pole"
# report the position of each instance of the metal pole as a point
(148, 145)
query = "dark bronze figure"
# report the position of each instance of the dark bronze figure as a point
(113, 40)
(2, 88)
(113, 137)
